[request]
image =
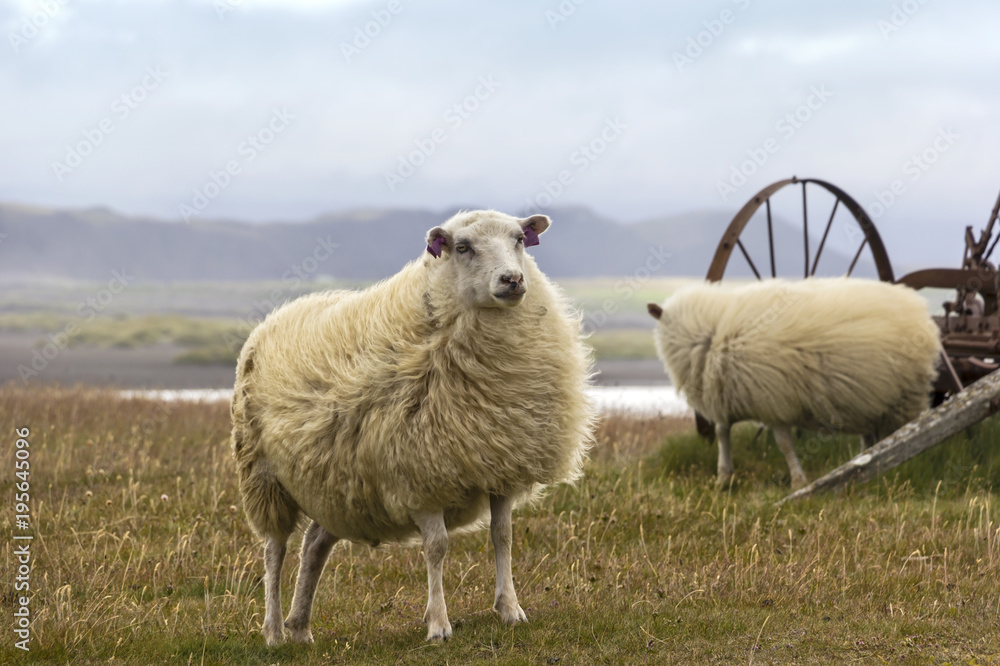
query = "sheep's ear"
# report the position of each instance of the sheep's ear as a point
(437, 238)
(533, 226)
(655, 310)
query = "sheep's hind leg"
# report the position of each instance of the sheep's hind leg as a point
(274, 557)
(724, 473)
(500, 530)
(783, 437)
(435, 536)
(316, 546)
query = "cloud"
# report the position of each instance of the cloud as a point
(414, 61)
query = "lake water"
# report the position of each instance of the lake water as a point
(637, 400)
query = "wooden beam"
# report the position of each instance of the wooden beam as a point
(978, 401)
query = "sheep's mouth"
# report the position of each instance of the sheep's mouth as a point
(509, 297)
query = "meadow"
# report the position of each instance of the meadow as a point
(208, 323)
(141, 554)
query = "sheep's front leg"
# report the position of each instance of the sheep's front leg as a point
(316, 546)
(500, 530)
(783, 437)
(435, 536)
(724, 473)
(274, 557)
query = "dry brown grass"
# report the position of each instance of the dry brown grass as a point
(642, 561)
(623, 438)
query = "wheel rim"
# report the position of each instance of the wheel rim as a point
(731, 238)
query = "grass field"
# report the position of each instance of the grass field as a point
(141, 554)
(208, 322)
(614, 308)
(219, 340)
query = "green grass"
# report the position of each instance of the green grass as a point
(626, 294)
(967, 462)
(206, 340)
(641, 561)
(612, 306)
(623, 344)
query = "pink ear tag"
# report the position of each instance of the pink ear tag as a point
(530, 237)
(435, 247)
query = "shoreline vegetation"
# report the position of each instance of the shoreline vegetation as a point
(218, 341)
(207, 324)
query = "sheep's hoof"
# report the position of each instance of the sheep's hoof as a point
(723, 480)
(799, 482)
(438, 632)
(303, 635)
(273, 635)
(510, 614)
(438, 626)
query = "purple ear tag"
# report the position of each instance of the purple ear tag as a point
(435, 247)
(530, 237)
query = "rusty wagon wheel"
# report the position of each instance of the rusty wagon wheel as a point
(752, 226)
(865, 235)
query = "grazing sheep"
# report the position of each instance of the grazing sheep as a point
(414, 407)
(837, 354)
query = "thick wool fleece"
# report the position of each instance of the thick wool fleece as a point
(359, 408)
(849, 355)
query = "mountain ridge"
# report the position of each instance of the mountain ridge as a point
(38, 243)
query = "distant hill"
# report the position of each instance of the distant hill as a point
(694, 237)
(41, 244)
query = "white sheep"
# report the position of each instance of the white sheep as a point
(456, 387)
(833, 354)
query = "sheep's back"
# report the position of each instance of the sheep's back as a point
(849, 355)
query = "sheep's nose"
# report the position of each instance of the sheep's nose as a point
(513, 279)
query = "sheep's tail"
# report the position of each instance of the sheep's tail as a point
(270, 509)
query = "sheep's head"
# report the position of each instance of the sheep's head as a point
(483, 255)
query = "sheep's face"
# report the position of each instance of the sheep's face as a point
(483, 255)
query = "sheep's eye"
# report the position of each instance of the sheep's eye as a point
(520, 240)
(462, 248)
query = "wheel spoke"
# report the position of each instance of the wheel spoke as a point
(770, 238)
(747, 257)
(825, 233)
(805, 228)
(857, 256)
(745, 216)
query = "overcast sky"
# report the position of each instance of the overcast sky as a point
(642, 108)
